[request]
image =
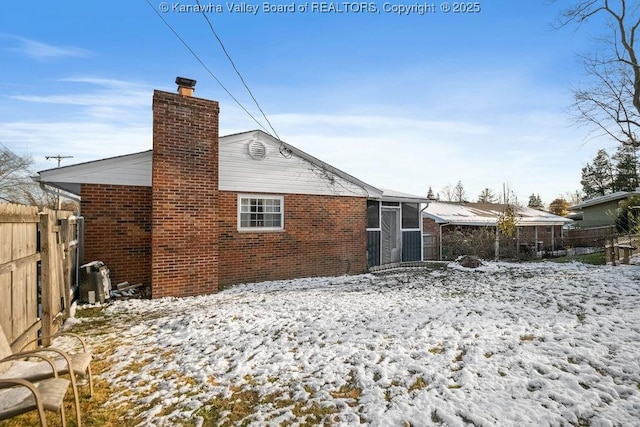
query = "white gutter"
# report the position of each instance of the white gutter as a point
(59, 193)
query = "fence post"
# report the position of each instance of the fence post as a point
(46, 282)
(65, 231)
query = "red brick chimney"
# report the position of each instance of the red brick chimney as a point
(184, 242)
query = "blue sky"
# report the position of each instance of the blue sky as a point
(399, 101)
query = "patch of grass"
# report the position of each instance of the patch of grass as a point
(349, 391)
(250, 380)
(527, 337)
(313, 414)
(460, 356)
(584, 422)
(93, 410)
(89, 313)
(596, 258)
(581, 318)
(438, 349)
(454, 386)
(243, 403)
(452, 294)
(418, 384)
(346, 391)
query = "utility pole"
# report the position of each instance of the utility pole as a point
(59, 159)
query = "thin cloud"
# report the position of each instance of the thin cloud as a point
(42, 51)
(103, 99)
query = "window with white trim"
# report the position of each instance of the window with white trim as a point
(260, 213)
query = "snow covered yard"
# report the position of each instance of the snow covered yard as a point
(502, 345)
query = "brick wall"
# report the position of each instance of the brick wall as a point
(185, 180)
(323, 236)
(429, 226)
(118, 230)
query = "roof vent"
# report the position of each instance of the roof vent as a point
(257, 150)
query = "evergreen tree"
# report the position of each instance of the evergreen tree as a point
(430, 195)
(627, 216)
(487, 196)
(598, 177)
(626, 167)
(535, 202)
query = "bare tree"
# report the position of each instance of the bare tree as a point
(448, 193)
(611, 100)
(508, 196)
(16, 185)
(573, 197)
(459, 195)
(607, 104)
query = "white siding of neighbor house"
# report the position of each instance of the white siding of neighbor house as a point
(132, 169)
(275, 173)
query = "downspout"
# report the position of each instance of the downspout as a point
(440, 240)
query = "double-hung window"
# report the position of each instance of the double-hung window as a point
(260, 213)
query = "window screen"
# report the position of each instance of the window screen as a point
(373, 214)
(410, 215)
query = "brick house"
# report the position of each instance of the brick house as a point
(537, 230)
(199, 212)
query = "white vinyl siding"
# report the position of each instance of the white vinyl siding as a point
(131, 169)
(275, 172)
(260, 213)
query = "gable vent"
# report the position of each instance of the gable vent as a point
(257, 150)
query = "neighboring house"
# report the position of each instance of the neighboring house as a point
(600, 211)
(199, 212)
(536, 229)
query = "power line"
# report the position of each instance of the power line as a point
(205, 67)
(224, 49)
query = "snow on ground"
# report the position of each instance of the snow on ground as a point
(502, 345)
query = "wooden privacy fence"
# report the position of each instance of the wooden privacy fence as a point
(593, 237)
(38, 265)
